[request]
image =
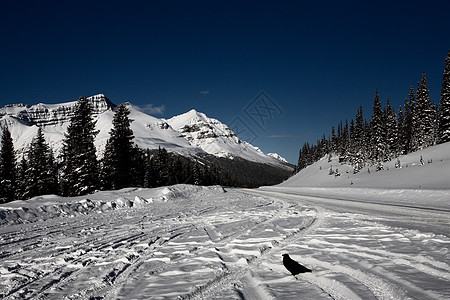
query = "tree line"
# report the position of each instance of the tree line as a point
(419, 124)
(78, 170)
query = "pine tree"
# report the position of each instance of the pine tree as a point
(80, 174)
(378, 142)
(401, 131)
(444, 121)
(391, 132)
(7, 167)
(408, 128)
(118, 161)
(334, 140)
(424, 121)
(40, 177)
(149, 176)
(161, 167)
(22, 178)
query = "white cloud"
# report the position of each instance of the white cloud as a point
(205, 92)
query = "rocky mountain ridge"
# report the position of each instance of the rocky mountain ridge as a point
(188, 134)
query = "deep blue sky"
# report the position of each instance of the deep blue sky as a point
(317, 60)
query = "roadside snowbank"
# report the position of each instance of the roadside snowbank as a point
(51, 206)
(434, 199)
(422, 180)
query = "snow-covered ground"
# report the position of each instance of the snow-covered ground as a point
(189, 242)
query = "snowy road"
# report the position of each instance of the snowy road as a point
(189, 243)
(430, 219)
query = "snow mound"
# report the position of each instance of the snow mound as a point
(51, 206)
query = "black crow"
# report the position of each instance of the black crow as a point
(294, 267)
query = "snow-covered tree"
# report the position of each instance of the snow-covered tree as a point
(378, 132)
(80, 174)
(408, 128)
(118, 161)
(7, 167)
(400, 131)
(391, 131)
(424, 118)
(444, 121)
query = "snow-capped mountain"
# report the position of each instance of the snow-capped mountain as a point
(150, 132)
(216, 138)
(278, 156)
(187, 134)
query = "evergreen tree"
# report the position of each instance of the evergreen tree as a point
(149, 176)
(424, 121)
(40, 177)
(22, 178)
(401, 131)
(120, 154)
(161, 167)
(334, 140)
(80, 174)
(444, 121)
(359, 131)
(7, 167)
(408, 128)
(378, 142)
(391, 132)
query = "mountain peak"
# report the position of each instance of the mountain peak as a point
(100, 101)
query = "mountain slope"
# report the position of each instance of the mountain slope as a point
(217, 139)
(189, 134)
(150, 132)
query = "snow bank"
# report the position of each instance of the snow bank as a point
(51, 206)
(423, 180)
(427, 198)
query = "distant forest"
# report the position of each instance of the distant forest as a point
(78, 171)
(419, 124)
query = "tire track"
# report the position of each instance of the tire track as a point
(234, 274)
(112, 291)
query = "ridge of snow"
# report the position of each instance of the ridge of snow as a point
(277, 156)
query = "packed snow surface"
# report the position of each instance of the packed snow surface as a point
(190, 242)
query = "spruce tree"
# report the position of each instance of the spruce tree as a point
(7, 167)
(424, 121)
(401, 131)
(391, 132)
(444, 118)
(409, 129)
(22, 178)
(118, 161)
(80, 172)
(161, 167)
(40, 176)
(149, 175)
(378, 142)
